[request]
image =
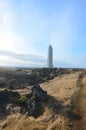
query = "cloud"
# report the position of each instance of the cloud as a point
(23, 60)
(10, 40)
(6, 17)
(27, 27)
(5, 61)
(13, 59)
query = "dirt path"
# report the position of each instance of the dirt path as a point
(80, 103)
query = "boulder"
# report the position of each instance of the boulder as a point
(34, 107)
(38, 92)
(34, 103)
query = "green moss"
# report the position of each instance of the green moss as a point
(21, 101)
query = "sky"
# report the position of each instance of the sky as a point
(28, 27)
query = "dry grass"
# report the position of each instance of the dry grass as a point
(80, 104)
(65, 90)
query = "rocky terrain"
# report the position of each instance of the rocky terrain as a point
(20, 78)
(57, 103)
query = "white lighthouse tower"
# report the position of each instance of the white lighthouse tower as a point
(50, 57)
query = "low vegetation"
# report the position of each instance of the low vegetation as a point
(20, 78)
(57, 104)
(21, 101)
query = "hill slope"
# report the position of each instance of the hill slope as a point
(64, 110)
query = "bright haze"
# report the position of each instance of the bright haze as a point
(28, 27)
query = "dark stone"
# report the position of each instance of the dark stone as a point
(34, 107)
(7, 96)
(34, 103)
(39, 92)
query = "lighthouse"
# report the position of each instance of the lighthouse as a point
(50, 57)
